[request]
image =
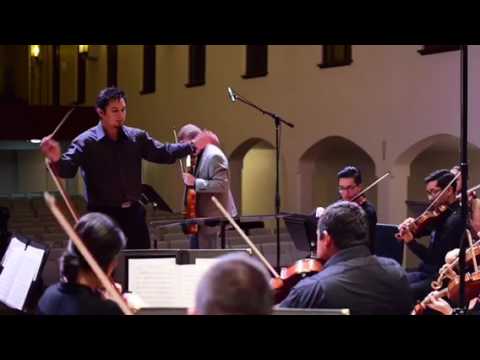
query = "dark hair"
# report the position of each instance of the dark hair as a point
(108, 94)
(236, 285)
(102, 237)
(350, 172)
(346, 223)
(443, 177)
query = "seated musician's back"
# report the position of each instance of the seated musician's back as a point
(80, 292)
(353, 278)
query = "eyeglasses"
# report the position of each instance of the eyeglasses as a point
(347, 188)
(434, 192)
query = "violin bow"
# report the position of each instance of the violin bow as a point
(179, 160)
(50, 200)
(423, 304)
(62, 191)
(476, 187)
(371, 186)
(439, 195)
(244, 236)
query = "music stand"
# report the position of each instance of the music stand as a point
(303, 231)
(21, 273)
(386, 245)
(149, 195)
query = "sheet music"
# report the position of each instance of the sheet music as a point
(205, 262)
(21, 266)
(153, 280)
(34, 257)
(189, 278)
(163, 283)
(21, 284)
(14, 244)
(11, 267)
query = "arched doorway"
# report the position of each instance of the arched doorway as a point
(319, 166)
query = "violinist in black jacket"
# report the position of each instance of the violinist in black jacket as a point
(445, 233)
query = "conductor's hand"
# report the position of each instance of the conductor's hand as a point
(203, 139)
(188, 179)
(51, 149)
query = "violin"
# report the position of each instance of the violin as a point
(452, 292)
(360, 200)
(426, 220)
(190, 201)
(447, 272)
(432, 215)
(472, 280)
(190, 211)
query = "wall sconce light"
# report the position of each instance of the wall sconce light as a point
(35, 52)
(83, 51)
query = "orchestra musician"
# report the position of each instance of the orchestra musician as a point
(210, 176)
(80, 291)
(444, 227)
(349, 186)
(351, 277)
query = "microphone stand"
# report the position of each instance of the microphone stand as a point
(464, 170)
(278, 122)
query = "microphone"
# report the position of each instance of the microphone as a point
(231, 94)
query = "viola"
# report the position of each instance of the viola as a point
(290, 276)
(281, 283)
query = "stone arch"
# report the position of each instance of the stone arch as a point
(252, 171)
(319, 165)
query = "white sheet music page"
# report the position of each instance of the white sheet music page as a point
(11, 266)
(34, 256)
(188, 279)
(154, 280)
(21, 268)
(14, 244)
(162, 283)
(22, 282)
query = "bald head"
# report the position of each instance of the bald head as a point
(188, 132)
(238, 285)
